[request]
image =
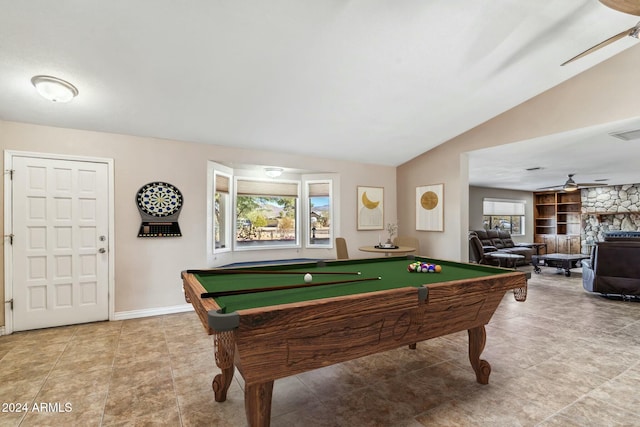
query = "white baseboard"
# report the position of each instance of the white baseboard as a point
(147, 312)
(1, 331)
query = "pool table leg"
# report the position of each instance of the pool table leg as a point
(257, 403)
(221, 383)
(224, 343)
(477, 339)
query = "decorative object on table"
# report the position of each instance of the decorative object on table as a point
(430, 207)
(392, 229)
(370, 208)
(159, 204)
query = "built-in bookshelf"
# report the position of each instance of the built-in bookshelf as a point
(558, 220)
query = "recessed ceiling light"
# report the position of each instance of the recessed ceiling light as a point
(601, 180)
(54, 89)
(628, 135)
(535, 168)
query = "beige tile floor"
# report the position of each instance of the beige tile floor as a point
(562, 358)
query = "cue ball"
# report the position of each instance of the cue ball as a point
(308, 278)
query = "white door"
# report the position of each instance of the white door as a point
(60, 242)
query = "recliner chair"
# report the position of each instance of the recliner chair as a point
(613, 269)
(477, 253)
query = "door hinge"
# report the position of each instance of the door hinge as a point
(10, 237)
(10, 172)
(10, 302)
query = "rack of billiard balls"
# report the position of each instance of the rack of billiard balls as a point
(424, 267)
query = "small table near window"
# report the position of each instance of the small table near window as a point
(395, 250)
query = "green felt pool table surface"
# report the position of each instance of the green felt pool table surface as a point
(392, 272)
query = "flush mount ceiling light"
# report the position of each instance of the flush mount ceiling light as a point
(273, 172)
(54, 89)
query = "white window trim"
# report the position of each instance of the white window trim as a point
(214, 169)
(307, 213)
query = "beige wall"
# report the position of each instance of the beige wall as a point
(476, 197)
(603, 94)
(147, 271)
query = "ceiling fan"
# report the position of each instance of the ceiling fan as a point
(631, 7)
(571, 185)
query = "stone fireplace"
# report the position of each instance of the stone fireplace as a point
(604, 209)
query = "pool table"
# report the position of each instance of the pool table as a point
(372, 305)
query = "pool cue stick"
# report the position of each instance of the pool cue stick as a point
(223, 271)
(279, 288)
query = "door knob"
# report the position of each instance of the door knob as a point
(102, 250)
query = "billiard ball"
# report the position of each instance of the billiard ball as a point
(438, 268)
(308, 278)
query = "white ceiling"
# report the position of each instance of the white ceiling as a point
(592, 154)
(374, 81)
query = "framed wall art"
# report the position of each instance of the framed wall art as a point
(370, 208)
(430, 207)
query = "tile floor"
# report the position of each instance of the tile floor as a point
(562, 358)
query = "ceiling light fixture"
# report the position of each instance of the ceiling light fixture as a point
(570, 185)
(54, 89)
(273, 172)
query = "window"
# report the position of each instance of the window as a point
(266, 214)
(320, 212)
(221, 212)
(501, 214)
(251, 212)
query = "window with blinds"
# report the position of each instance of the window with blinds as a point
(503, 214)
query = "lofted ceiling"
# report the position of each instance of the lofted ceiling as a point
(373, 81)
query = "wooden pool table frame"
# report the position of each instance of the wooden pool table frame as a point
(278, 341)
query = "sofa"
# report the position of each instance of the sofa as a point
(501, 241)
(614, 266)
